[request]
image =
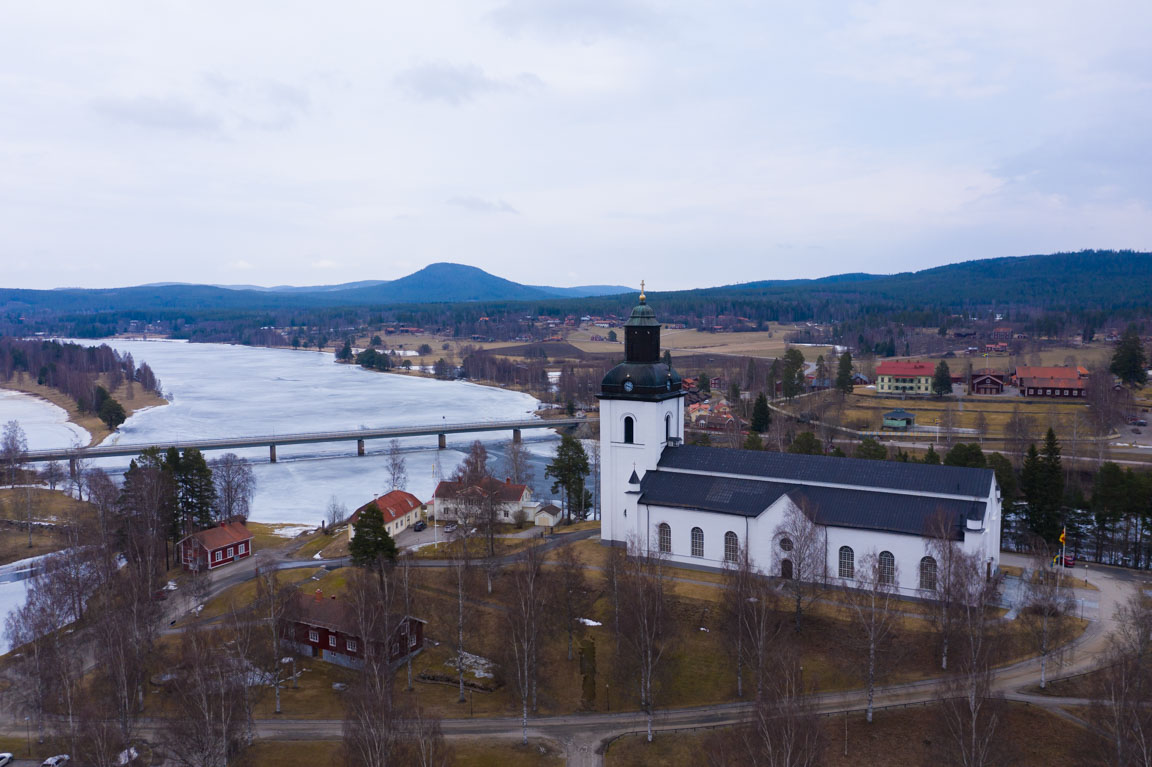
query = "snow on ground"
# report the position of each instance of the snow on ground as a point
(477, 666)
(290, 531)
(12, 596)
(589, 622)
(45, 424)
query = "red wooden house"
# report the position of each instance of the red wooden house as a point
(328, 629)
(215, 547)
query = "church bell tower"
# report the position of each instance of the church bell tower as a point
(641, 414)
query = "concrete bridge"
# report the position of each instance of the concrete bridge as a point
(360, 436)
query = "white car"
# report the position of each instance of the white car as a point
(56, 761)
(5, 759)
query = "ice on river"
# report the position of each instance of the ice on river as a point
(45, 424)
(218, 390)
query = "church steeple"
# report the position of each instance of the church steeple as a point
(642, 333)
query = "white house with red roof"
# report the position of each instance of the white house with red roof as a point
(215, 547)
(904, 377)
(399, 508)
(451, 499)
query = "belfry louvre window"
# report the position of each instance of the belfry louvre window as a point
(665, 536)
(847, 562)
(731, 546)
(629, 430)
(697, 542)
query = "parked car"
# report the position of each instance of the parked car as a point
(450, 527)
(5, 759)
(420, 525)
(56, 761)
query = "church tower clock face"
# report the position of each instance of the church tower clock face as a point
(627, 386)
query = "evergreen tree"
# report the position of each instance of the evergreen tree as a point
(1042, 484)
(761, 415)
(942, 380)
(821, 372)
(836, 452)
(774, 373)
(844, 374)
(195, 490)
(931, 457)
(793, 372)
(733, 395)
(371, 546)
(806, 443)
(570, 469)
(112, 413)
(753, 441)
(870, 449)
(668, 358)
(704, 383)
(1005, 476)
(965, 455)
(345, 353)
(1110, 492)
(1128, 362)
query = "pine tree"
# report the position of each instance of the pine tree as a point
(570, 469)
(870, 449)
(932, 457)
(942, 380)
(806, 443)
(844, 374)
(1042, 484)
(761, 415)
(753, 441)
(371, 546)
(1129, 363)
(793, 372)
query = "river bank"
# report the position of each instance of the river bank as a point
(134, 401)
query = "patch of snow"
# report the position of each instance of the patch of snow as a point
(317, 555)
(589, 622)
(704, 630)
(170, 586)
(477, 666)
(45, 425)
(291, 531)
(126, 756)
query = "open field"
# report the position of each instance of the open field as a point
(1033, 736)
(766, 343)
(48, 506)
(139, 401)
(472, 752)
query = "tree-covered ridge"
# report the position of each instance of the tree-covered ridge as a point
(84, 373)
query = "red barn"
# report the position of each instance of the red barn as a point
(328, 629)
(215, 547)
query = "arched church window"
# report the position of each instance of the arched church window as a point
(786, 569)
(697, 542)
(629, 430)
(887, 568)
(667, 427)
(664, 533)
(731, 546)
(928, 574)
(847, 562)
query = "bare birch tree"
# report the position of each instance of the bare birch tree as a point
(275, 609)
(525, 618)
(644, 618)
(397, 467)
(951, 573)
(1046, 610)
(870, 601)
(235, 485)
(372, 731)
(569, 593)
(460, 562)
(207, 729)
(13, 450)
(1123, 685)
(800, 552)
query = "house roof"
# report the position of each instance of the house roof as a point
(333, 614)
(899, 413)
(549, 509)
(1042, 382)
(898, 368)
(832, 506)
(226, 534)
(1030, 371)
(393, 506)
(824, 469)
(502, 492)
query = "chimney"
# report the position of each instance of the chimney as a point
(507, 480)
(319, 595)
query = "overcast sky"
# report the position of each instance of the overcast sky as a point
(564, 142)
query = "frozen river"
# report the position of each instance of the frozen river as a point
(218, 390)
(45, 425)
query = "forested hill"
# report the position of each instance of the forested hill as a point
(1088, 279)
(441, 282)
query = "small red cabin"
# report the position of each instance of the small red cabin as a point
(215, 547)
(327, 628)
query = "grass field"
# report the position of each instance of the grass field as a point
(472, 752)
(1029, 734)
(140, 400)
(47, 506)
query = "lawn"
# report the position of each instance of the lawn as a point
(895, 738)
(47, 506)
(243, 594)
(472, 752)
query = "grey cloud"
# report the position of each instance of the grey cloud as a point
(479, 205)
(168, 114)
(457, 84)
(582, 20)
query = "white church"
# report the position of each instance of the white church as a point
(701, 505)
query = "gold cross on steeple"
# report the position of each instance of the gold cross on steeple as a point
(641, 290)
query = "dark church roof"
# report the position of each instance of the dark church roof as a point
(856, 472)
(832, 506)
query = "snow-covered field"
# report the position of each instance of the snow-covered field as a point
(46, 425)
